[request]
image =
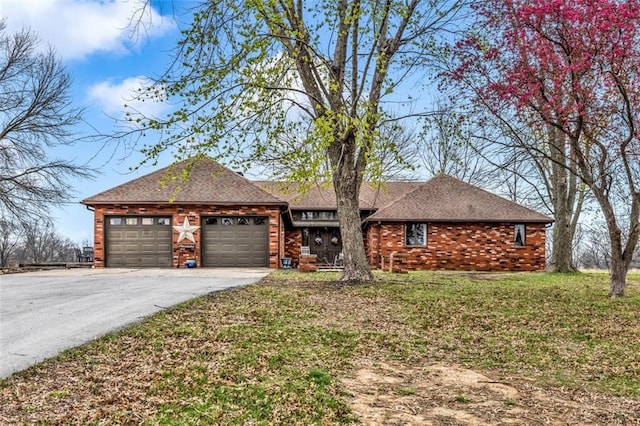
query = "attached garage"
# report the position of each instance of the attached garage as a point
(235, 241)
(138, 241)
(216, 218)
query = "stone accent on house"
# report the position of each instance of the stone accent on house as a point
(460, 246)
(194, 214)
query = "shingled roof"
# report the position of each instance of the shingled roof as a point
(447, 199)
(323, 197)
(208, 183)
(443, 198)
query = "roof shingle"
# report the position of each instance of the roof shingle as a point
(447, 199)
(323, 197)
(443, 198)
(208, 183)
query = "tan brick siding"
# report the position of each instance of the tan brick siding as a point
(194, 213)
(461, 246)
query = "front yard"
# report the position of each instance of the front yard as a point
(423, 348)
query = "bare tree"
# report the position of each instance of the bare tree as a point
(36, 113)
(41, 243)
(594, 249)
(445, 146)
(10, 233)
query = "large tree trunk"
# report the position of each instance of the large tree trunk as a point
(619, 263)
(563, 200)
(620, 255)
(562, 246)
(618, 277)
(356, 265)
(347, 178)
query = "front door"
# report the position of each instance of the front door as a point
(326, 244)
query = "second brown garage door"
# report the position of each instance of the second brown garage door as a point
(235, 241)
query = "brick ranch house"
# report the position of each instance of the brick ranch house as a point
(218, 218)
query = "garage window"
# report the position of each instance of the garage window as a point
(131, 221)
(211, 221)
(258, 221)
(243, 221)
(164, 221)
(227, 221)
(115, 221)
(147, 221)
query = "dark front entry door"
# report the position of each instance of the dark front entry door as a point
(326, 244)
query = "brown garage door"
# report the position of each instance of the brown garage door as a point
(138, 241)
(235, 241)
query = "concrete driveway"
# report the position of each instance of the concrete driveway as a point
(44, 313)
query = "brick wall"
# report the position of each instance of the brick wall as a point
(292, 244)
(461, 246)
(194, 213)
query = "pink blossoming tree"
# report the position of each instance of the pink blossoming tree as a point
(571, 69)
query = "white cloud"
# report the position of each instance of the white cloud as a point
(130, 92)
(77, 28)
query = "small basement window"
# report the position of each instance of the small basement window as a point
(415, 234)
(519, 238)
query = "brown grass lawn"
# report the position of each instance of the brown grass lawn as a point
(424, 348)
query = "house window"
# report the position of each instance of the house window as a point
(131, 221)
(319, 215)
(415, 234)
(519, 235)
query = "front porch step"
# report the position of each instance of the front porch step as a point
(330, 268)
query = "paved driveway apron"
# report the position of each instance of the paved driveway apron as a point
(44, 313)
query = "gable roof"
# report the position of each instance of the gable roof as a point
(443, 198)
(447, 199)
(208, 183)
(323, 197)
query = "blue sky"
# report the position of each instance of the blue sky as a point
(107, 61)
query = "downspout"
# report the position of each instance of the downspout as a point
(379, 246)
